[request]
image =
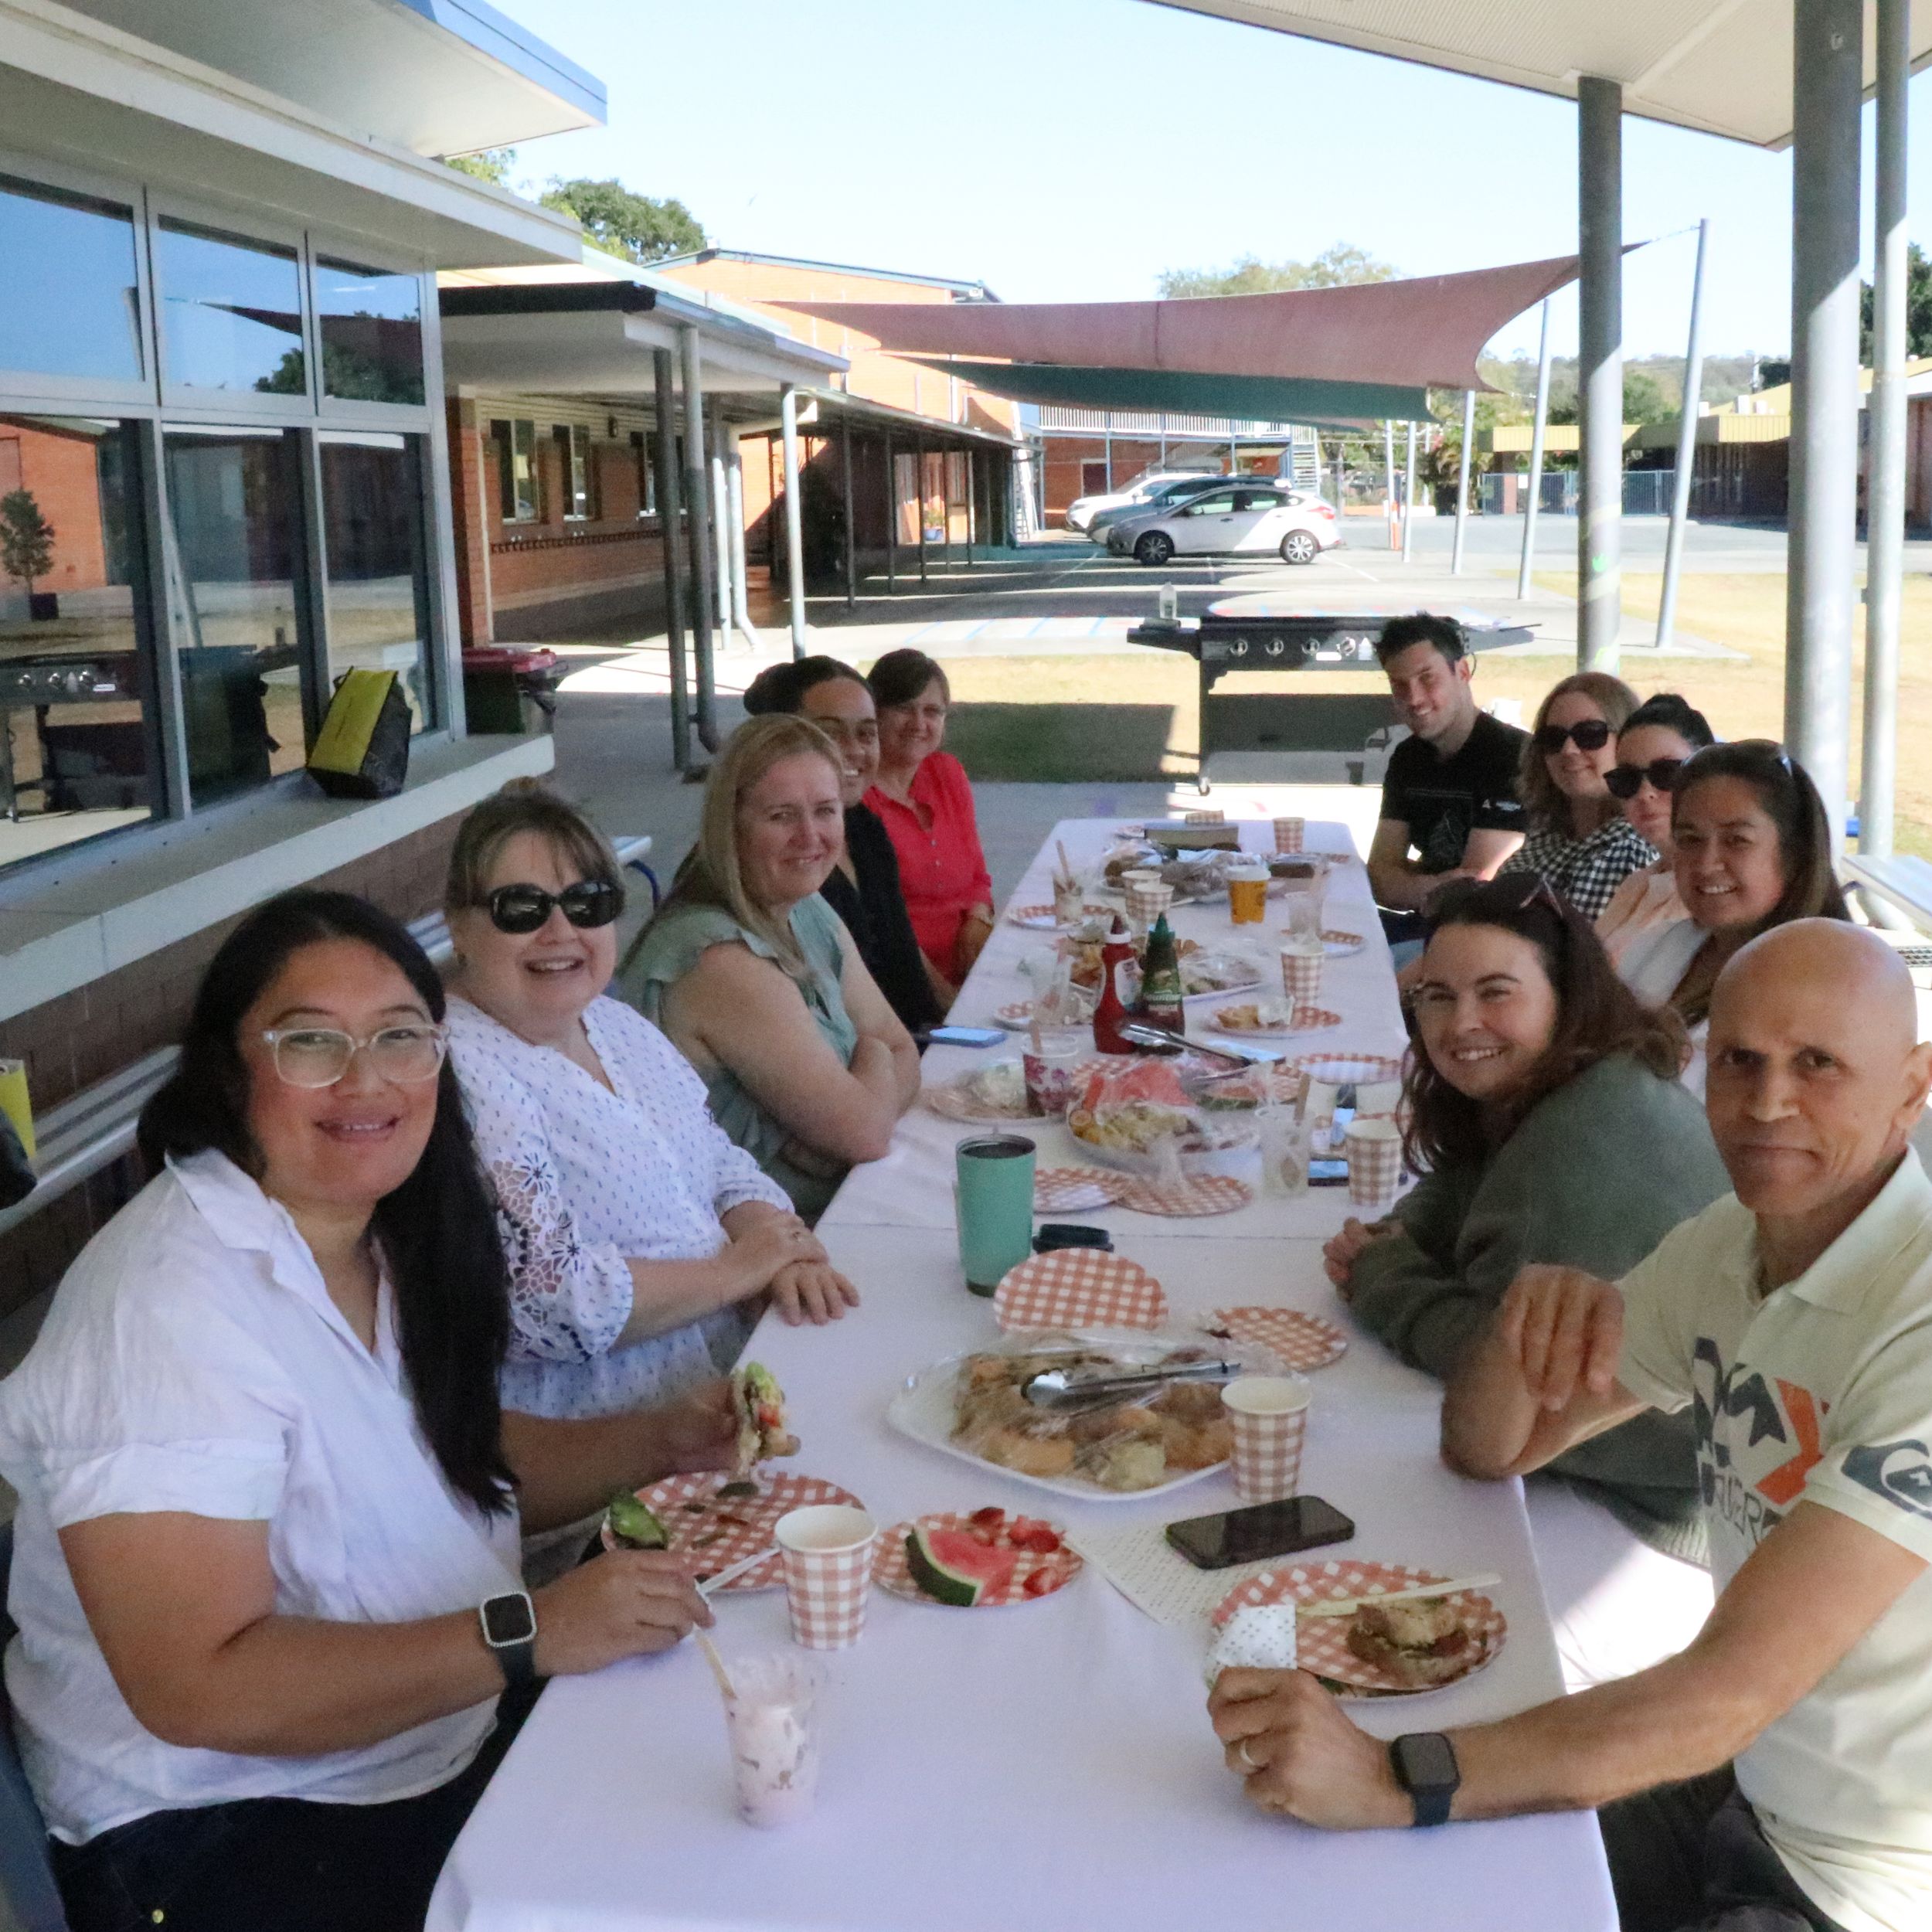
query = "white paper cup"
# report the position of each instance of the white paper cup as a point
(1288, 834)
(1301, 967)
(1374, 1161)
(1269, 1414)
(827, 1552)
(1208, 815)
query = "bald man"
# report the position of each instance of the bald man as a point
(1776, 1775)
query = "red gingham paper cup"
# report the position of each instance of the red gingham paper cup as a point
(1374, 1161)
(1288, 833)
(1301, 973)
(827, 1551)
(1270, 1418)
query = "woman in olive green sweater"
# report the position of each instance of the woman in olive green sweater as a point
(1548, 1126)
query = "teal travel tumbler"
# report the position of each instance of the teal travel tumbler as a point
(994, 1194)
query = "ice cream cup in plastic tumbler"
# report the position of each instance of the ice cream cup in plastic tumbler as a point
(772, 1720)
(1048, 1071)
(1374, 1161)
(1269, 1414)
(827, 1552)
(1301, 965)
(1288, 834)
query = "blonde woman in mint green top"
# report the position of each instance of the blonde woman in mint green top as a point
(757, 981)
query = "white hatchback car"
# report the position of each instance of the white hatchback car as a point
(1082, 510)
(1241, 521)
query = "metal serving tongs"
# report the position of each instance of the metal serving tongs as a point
(1056, 1389)
(1138, 1032)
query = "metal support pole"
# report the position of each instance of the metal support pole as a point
(973, 479)
(697, 495)
(795, 517)
(1388, 480)
(670, 522)
(851, 531)
(1462, 479)
(1599, 371)
(1535, 459)
(946, 511)
(1827, 56)
(1686, 450)
(735, 527)
(721, 528)
(1885, 487)
(892, 521)
(1408, 493)
(1107, 444)
(1163, 439)
(919, 470)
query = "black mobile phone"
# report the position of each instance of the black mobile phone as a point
(967, 1035)
(1261, 1530)
(1328, 1174)
(1070, 1234)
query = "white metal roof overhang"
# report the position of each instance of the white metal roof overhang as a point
(73, 90)
(1723, 66)
(596, 339)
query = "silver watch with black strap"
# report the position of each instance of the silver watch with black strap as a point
(509, 1628)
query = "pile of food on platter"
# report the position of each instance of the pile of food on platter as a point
(1140, 1114)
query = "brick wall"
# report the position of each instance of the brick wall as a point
(71, 1042)
(58, 468)
(472, 485)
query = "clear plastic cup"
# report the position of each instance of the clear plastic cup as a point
(771, 1720)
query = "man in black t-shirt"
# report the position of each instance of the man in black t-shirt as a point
(1449, 804)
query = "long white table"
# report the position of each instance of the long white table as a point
(1052, 1762)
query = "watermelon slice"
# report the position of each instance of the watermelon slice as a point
(956, 1567)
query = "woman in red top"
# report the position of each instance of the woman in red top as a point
(923, 799)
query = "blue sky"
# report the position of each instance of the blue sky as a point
(1008, 142)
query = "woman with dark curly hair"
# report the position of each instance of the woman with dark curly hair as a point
(1548, 1126)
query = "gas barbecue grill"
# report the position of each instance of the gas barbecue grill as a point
(1268, 634)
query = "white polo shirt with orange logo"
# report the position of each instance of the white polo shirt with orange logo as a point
(1821, 1391)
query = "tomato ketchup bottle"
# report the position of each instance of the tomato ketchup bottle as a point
(1116, 951)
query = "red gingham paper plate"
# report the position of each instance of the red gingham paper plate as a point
(1302, 1341)
(1018, 1014)
(891, 1571)
(1193, 1195)
(1079, 1288)
(1303, 1020)
(954, 1099)
(1322, 1643)
(1067, 1190)
(1339, 945)
(1342, 1069)
(727, 1529)
(1041, 919)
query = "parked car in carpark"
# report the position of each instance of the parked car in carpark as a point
(1171, 495)
(1083, 509)
(1248, 521)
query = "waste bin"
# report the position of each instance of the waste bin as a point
(510, 689)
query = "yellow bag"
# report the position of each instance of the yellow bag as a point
(363, 750)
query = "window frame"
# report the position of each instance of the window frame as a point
(354, 411)
(506, 475)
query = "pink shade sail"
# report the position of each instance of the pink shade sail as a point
(1427, 331)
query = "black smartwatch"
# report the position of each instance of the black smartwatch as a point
(509, 1628)
(1425, 1767)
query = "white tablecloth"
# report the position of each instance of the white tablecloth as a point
(1054, 1759)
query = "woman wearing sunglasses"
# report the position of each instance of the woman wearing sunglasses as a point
(1658, 737)
(265, 1563)
(1752, 850)
(640, 1239)
(756, 980)
(1578, 839)
(1547, 1123)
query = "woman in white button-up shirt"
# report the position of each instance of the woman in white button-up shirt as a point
(640, 1240)
(265, 1485)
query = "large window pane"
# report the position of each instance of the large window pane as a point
(77, 740)
(379, 610)
(69, 305)
(371, 327)
(231, 556)
(231, 311)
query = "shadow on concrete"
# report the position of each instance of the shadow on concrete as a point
(1087, 744)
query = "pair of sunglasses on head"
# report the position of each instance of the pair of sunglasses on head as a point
(524, 909)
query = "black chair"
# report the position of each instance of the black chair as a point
(26, 1876)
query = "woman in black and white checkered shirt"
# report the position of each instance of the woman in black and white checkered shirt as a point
(1579, 840)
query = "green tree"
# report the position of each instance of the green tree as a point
(1339, 265)
(634, 225)
(26, 539)
(1918, 307)
(492, 165)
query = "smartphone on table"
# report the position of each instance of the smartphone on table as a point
(1260, 1531)
(967, 1035)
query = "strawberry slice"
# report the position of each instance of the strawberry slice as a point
(1040, 1582)
(988, 1518)
(1029, 1534)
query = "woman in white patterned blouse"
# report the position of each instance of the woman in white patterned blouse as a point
(641, 1242)
(1579, 840)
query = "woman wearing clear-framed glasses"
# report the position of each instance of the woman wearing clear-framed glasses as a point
(642, 1241)
(266, 1566)
(1578, 839)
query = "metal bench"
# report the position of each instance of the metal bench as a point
(95, 1127)
(1900, 881)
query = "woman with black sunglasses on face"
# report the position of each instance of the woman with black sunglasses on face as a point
(1657, 739)
(640, 1240)
(1578, 839)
